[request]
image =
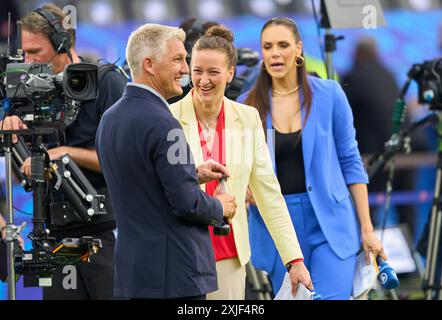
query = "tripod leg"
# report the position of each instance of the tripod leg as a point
(436, 258)
(266, 286)
(434, 235)
(252, 279)
(10, 228)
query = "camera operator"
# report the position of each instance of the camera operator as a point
(45, 41)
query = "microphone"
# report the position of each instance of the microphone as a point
(224, 229)
(387, 276)
(316, 296)
(19, 40)
(64, 47)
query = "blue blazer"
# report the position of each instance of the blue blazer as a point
(331, 162)
(163, 248)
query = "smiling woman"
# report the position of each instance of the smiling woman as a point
(216, 128)
(211, 71)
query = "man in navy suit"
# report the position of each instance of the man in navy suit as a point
(163, 248)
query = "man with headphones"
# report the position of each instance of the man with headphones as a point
(44, 40)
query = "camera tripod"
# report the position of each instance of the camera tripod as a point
(431, 288)
(38, 182)
(399, 141)
(47, 252)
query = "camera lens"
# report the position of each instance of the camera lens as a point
(77, 82)
(80, 81)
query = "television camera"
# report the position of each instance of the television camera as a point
(428, 76)
(47, 104)
(40, 98)
(249, 59)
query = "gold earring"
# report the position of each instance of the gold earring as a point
(299, 61)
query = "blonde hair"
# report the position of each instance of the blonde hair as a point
(149, 40)
(35, 23)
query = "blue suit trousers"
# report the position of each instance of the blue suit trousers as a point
(332, 277)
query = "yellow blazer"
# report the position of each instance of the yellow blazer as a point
(248, 161)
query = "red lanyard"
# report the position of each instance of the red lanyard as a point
(218, 146)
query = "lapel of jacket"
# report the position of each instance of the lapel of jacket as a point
(190, 126)
(232, 134)
(308, 133)
(234, 150)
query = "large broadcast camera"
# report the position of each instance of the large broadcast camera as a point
(31, 91)
(47, 104)
(428, 76)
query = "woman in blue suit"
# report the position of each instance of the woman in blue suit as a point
(311, 138)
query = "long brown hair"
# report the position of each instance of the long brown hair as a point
(259, 95)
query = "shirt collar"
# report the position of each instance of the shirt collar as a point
(152, 90)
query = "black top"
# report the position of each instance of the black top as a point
(81, 133)
(289, 162)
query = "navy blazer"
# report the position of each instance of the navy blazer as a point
(163, 247)
(331, 162)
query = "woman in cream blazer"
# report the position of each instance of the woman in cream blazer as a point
(246, 156)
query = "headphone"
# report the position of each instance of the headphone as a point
(61, 40)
